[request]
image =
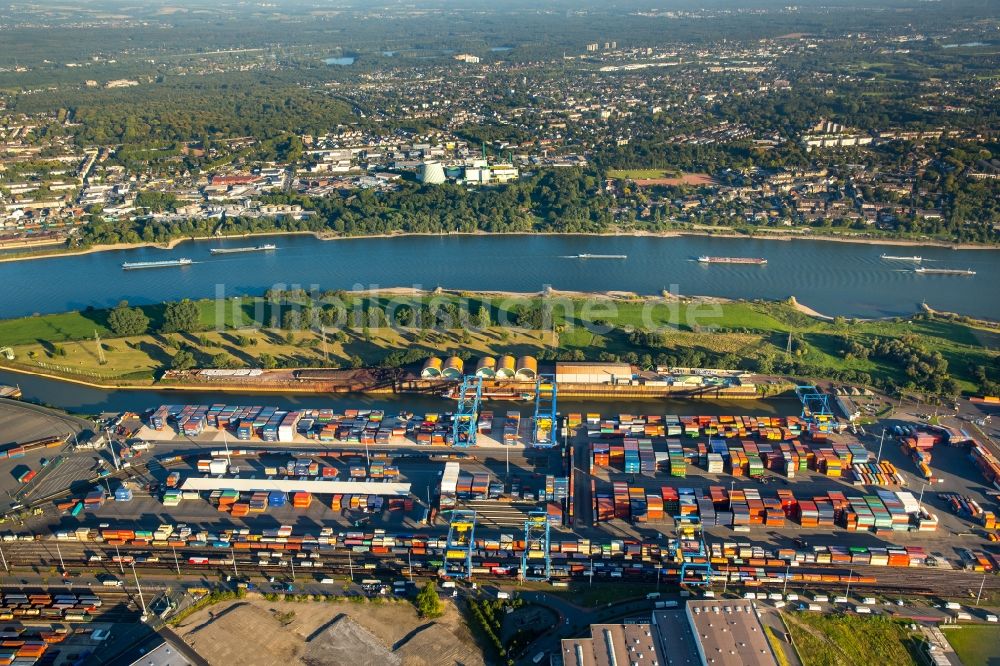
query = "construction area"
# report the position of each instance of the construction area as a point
(257, 632)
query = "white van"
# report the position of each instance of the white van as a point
(840, 600)
(864, 610)
(821, 598)
(990, 617)
(326, 581)
(951, 605)
(538, 658)
(448, 584)
(869, 601)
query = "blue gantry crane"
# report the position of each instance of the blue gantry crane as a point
(692, 551)
(465, 425)
(536, 560)
(816, 412)
(460, 544)
(545, 424)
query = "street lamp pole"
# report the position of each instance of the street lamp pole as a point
(142, 601)
(878, 459)
(176, 562)
(61, 563)
(921, 498)
(350, 565)
(409, 565)
(980, 595)
(118, 556)
(2, 557)
(850, 577)
(111, 445)
(784, 588)
(235, 570)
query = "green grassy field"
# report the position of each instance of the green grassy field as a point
(850, 640)
(735, 333)
(976, 646)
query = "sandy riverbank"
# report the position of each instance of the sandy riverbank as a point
(775, 235)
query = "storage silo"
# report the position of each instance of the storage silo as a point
(527, 369)
(432, 368)
(431, 173)
(453, 367)
(506, 367)
(486, 367)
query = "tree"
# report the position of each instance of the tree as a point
(223, 360)
(483, 319)
(182, 360)
(124, 320)
(181, 317)
(428, 602)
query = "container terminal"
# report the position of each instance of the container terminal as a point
(695, 499)
(496, 495)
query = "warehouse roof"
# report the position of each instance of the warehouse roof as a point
(294, 485)
(730, 633)
(584, 368)
(612, 644)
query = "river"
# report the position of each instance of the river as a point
(86, 400)
(833, 278)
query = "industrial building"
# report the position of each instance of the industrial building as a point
(431, 173)
(614, 644)
(315, 487)
(592, 373)
(723, 632)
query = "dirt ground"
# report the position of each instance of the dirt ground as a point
(256, 632)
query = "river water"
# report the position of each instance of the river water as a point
(834, 278)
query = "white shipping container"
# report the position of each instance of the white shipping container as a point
(449, 478)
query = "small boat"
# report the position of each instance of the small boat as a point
(236, 250)
(183, 261)
(944, 271)
(598, 256)
(889, 257)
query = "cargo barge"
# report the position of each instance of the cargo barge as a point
(598, 256)
(943, 271)
(237, 250)
(754, 261)
(889, 257)
(183, 261)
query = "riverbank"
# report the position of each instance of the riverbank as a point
(769, 235)
(605, 327)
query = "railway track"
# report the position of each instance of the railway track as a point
(43, 556)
